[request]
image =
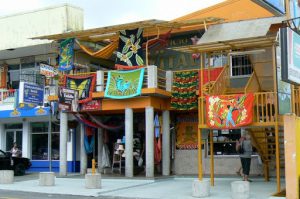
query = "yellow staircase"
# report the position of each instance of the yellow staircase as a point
(264, 141)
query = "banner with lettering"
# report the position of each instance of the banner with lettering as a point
(229, 111)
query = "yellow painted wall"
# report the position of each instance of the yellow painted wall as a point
(230, 10)
(292, 155)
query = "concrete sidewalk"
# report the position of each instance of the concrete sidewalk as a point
(167, 188)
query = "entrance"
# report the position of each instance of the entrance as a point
(13, 135)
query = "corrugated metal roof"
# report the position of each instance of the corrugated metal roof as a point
(239, 30)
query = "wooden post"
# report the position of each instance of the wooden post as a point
(212, 165)
(200, 112)
(276, 119)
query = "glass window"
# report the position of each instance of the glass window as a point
(13, 126)
(40, 141)
(241, 65)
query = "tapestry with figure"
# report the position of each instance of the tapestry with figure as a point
(85, 84)
(66, 55)
(130, 52)
(186, 131)
(184, 90)
(228, 112)
(124, 84)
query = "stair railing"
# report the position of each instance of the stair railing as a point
(221, 83)
(253, 84)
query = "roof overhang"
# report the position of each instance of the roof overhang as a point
(151, 28)
(236, 35)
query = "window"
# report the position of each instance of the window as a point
(40, 141)
(240, 66)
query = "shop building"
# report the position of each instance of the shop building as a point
(20, 61)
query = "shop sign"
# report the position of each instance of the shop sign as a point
(31, 93)
(47, 70)
(290, 56)
(92, 105)
(67, 99)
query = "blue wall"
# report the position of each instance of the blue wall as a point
(42, 165)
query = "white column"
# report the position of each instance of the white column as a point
(63, 144)
(169, 80)
(100, 81)
(100, 149)
(26, 140)
(152, 76)
(166, 144)
(129, 142)
(149, 142)
(83, 156)
(2, 137)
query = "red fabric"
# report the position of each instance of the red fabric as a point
(89, 131)
(212, 75)
(228, 112)
(157, 150)
(123, 67)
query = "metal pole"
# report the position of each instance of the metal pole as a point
(50, 139)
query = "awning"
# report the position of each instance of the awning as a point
(234, 35)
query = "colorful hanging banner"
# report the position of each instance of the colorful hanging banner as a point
(66, 55)
(228, 112)
(187, 131)
(184, 90)
(124, 84)
(130, 52)
(85, 84)
(3, 76)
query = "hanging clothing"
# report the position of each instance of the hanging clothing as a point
(156, 126)
(105, 157)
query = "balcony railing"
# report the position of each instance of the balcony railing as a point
(153, 78)
(221, 83)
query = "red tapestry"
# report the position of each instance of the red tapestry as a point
(228, 112)
(209, 76)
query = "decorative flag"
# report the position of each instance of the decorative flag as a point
(66, 55)
(85, 85)
(228, 112)
(124, 84)
(184, 90)
(130, 52)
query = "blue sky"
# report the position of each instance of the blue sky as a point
(99, 13)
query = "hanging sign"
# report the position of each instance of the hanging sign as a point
(91, 105)
(31, 93)
(47, 70)
(68, 99)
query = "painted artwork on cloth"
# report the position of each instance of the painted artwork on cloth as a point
(66, 55)
(184, 90)
(187, 132)
(130, 52)
(228, 112)
(85, 85)
(124, 84)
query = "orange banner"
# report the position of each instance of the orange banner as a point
(228, 112)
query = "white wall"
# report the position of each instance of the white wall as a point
(16, 30)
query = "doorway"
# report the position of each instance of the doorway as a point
(13, 135)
